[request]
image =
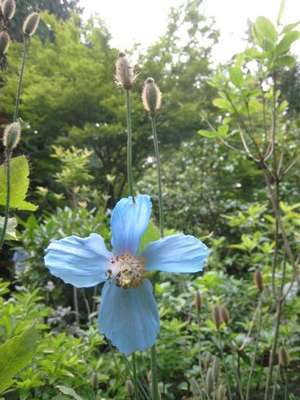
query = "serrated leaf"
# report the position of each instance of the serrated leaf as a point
(19, 183)
(69, 392)
(10, 233)
(15, 354)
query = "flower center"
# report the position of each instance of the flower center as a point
(127, 271)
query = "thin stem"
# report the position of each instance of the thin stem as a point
(224, 365)
(285, 384)
(76, 307)
(158, 165)
(129, 143)
(21, 75)
(155, 391)
(135, 380)
(7, 198)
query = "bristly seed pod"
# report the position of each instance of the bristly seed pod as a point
(258, 280)
(284, 359)
(198, 301)
(224, 313)
(8, 8)
(221, 393)
(151, 96)
(130, 388)
(11, 136)
(217, 316)
(31, 24)
(209, 381)
(124, 72)
(216, 369)
(4, 42)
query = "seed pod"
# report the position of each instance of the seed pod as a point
(11, 136)
(198, 301)
(151, 96)
(4, 42)
(209, 380)
(94, 380)
(31, 24)
(258, 280)
(224, 313)
(217, 316)
(216, 368)
(221, 393)
(124, 72)
(130, 388)
(8, 8)
(284, 358)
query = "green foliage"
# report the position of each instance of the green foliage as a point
(15, 354)
(18, 185)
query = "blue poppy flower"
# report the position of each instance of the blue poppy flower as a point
(128, 313)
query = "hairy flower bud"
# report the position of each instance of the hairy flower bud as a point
(284, 359)
(216, 368)
(216, 313)
(130, 388)
(221, 393)
(11, 136)
(198, 301)
(224, 313)
(209, 380)
(151, 96)
(8, 8)
(258, 280)
(31, 24)
(4, 42)
(94, 380)
(124, 72)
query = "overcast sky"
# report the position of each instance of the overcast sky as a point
(142, 21)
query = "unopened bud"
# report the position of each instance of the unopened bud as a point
(4, 42)
(31, 24)
(94, 380)
(221, 393)
(11, 136)
(8, 8)
(284, 359)
(209, 381)
(224, 313)
(124, 72)
(130, 388)
(258, 280)
(217, 316)
(198, 301)
(151, 96)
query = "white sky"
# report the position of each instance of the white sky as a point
(143, 21)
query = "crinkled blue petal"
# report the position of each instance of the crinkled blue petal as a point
(129, 317)
(177, 253)
(83, 262)
(129, 221)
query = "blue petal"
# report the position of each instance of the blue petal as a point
(129, 317)
(83, 262)
(176, 253)
(129, 221)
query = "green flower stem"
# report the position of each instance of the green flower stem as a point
(129, 143)
(157, 156)
(7, 200)
(135, 380)
(155, 391)
(21, 75)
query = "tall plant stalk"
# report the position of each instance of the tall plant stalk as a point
(20, 82)
(7, 194)
(129, 143)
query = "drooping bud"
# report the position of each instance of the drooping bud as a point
(198, 301)
(4, 42)
(11, 136)
(209, 380)
(217, 316)
(221, 393)
(8, 8)
(284, 358)
(124, 72)
(224, 313)
(31, 24)
(151, 96)
(258, 280)
(130, 388)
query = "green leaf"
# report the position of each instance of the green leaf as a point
(19, 183)
(236, 76)
(69, 392)
(152, 233)
(290, 27)
(285, 61)
(264, 33)
(281, 11)
(10, 233)
(221, 132)
(222, 103)
(286, 42)
(16, 354)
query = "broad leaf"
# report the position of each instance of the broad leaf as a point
(264, 33)
(69, 392)
(10, 233)
(15, 354)
(286, 42)
(19, 183)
